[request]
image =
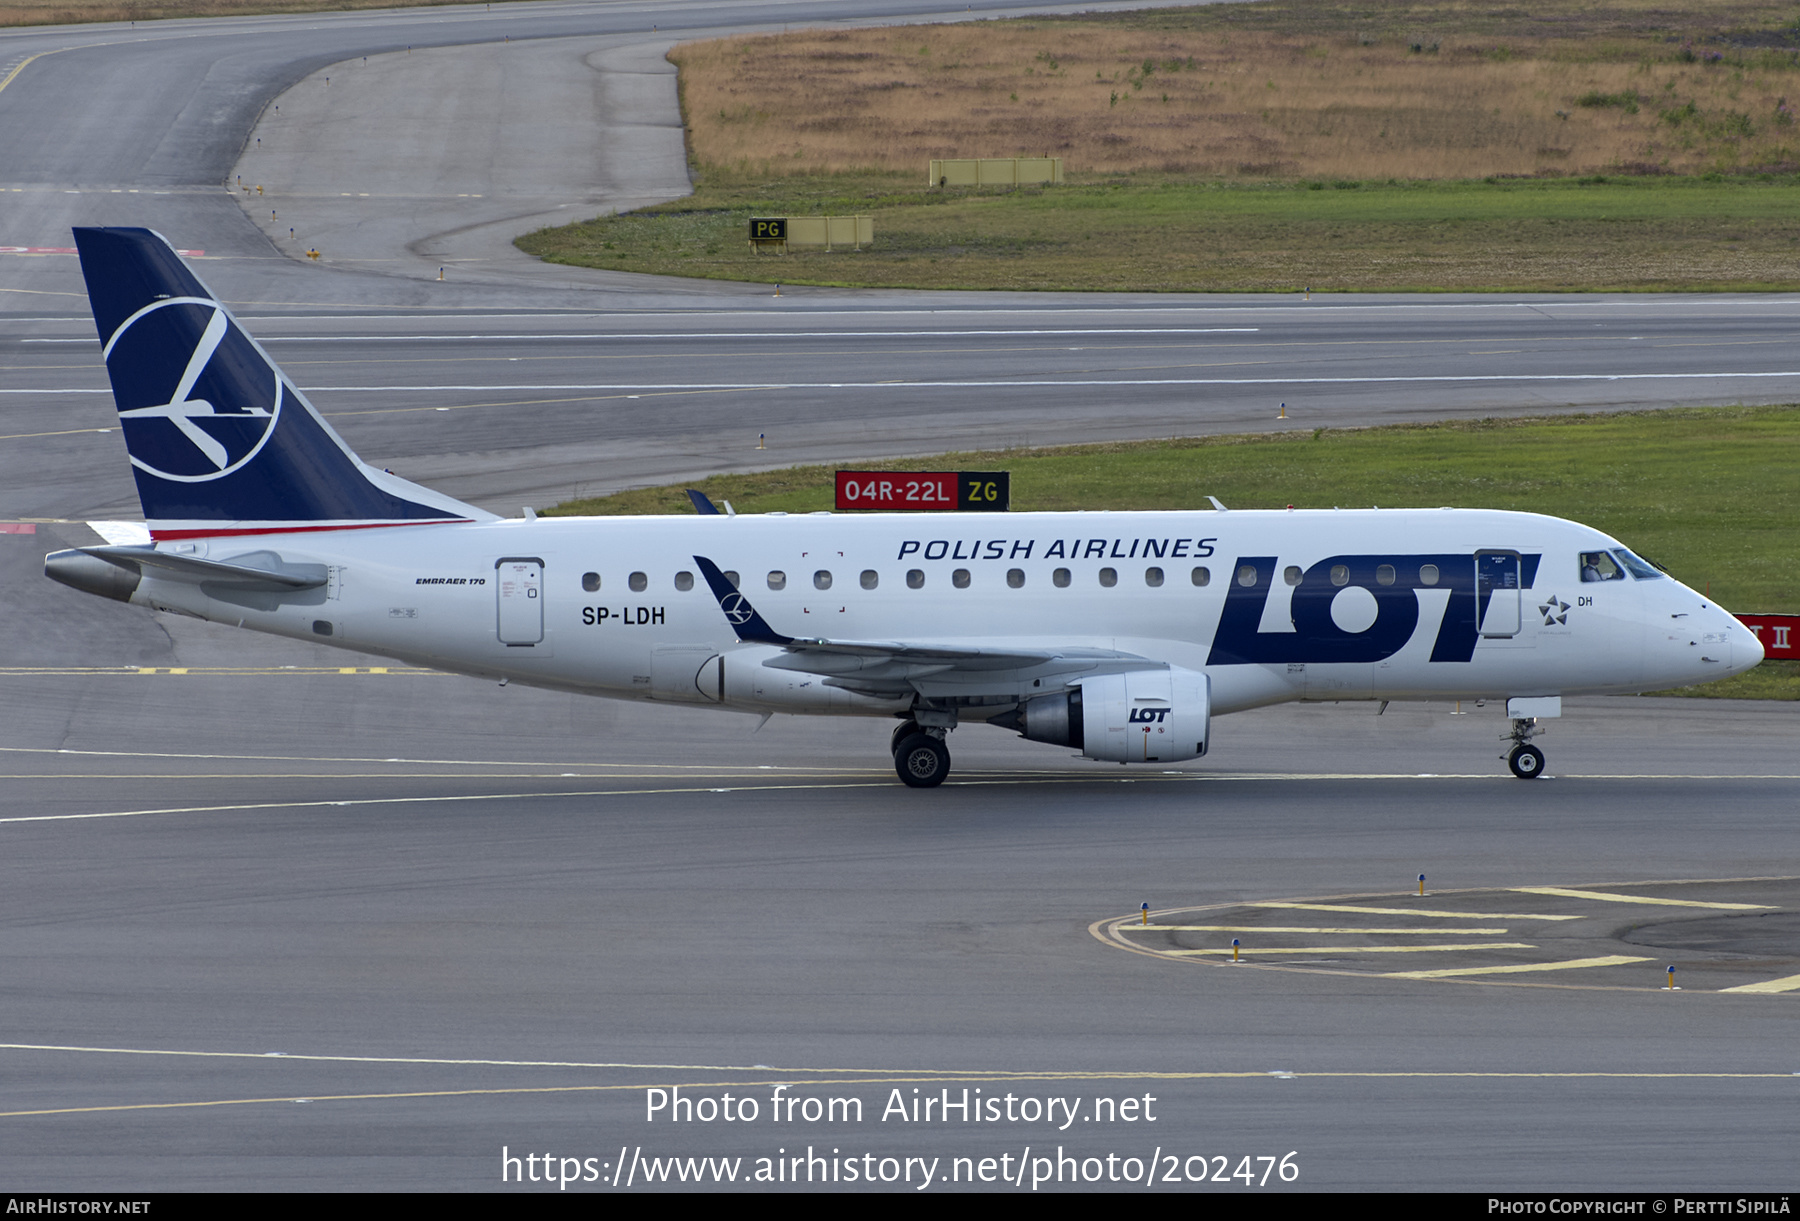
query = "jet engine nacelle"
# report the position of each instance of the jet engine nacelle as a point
(1141, 716)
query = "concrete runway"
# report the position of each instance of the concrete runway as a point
(274, 925)
(507, 409)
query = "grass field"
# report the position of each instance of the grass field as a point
(1253, 147)
(1709, 493)
(1281, 88)
(1166, 233)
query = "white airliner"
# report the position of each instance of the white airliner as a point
(1119, 635)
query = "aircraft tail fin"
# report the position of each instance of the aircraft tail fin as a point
(220, 441)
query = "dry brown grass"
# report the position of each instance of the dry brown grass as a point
(1211, 93)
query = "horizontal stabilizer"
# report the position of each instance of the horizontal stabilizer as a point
(264, 571)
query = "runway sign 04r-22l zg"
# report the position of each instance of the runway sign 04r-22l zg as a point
(918, 491)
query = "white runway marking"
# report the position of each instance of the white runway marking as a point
(1021, 333)
(778, 1073)
(1048, 381)
(1682, 305)
(666, 768)
(1052, 380)
(252, 807)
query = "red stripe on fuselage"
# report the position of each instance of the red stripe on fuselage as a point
(164, 536)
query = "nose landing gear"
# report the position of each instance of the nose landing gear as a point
(1525, 760)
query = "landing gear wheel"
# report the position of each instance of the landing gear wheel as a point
(1527, 762)
(904, 730)
(922, 761)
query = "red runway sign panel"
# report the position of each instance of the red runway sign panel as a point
(1780, 635)
(919, 491)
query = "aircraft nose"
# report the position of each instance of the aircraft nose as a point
(1744, 650)
(1746, 647)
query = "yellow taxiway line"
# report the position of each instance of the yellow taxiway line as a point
(1288, 928)
(1370, 949)
(1572, 964)
(1607, 897)
(1408, 911)
(1788, 983)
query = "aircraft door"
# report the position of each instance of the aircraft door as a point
(519, 596)
(1497, 592)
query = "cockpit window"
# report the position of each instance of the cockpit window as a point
(1636, 565)
(1599, 566)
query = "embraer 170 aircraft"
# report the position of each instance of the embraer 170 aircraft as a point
(1119, 635)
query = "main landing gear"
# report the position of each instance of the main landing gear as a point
(920, 755)
(1525, 760)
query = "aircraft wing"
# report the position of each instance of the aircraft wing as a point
(893, 666)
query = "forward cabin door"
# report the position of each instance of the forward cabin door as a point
(519, 595)
(1497, 593)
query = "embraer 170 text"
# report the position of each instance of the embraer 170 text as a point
(1119, 635)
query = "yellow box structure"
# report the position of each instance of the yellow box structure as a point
(818, 232)
(831, 232)
(995, 171)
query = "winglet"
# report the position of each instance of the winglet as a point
(743, 618)
(702, 505)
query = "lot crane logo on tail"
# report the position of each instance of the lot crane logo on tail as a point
(220, 441)
(196, 400)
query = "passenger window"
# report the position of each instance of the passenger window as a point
(1384, 575)
(1247, 575)
(1340, 574)
(731, 579)
(1202, 576)
(1060, 578)
(960, 578)
(1153, 577)
(638, 582)
(1428, 574)
(1015, 578)
(915, 579)
(1108, 578)
(821, 579)
(590, 581)
(778, 580)
(1599, 566)
(870, 578)
(1291, 574)
(684, 581)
